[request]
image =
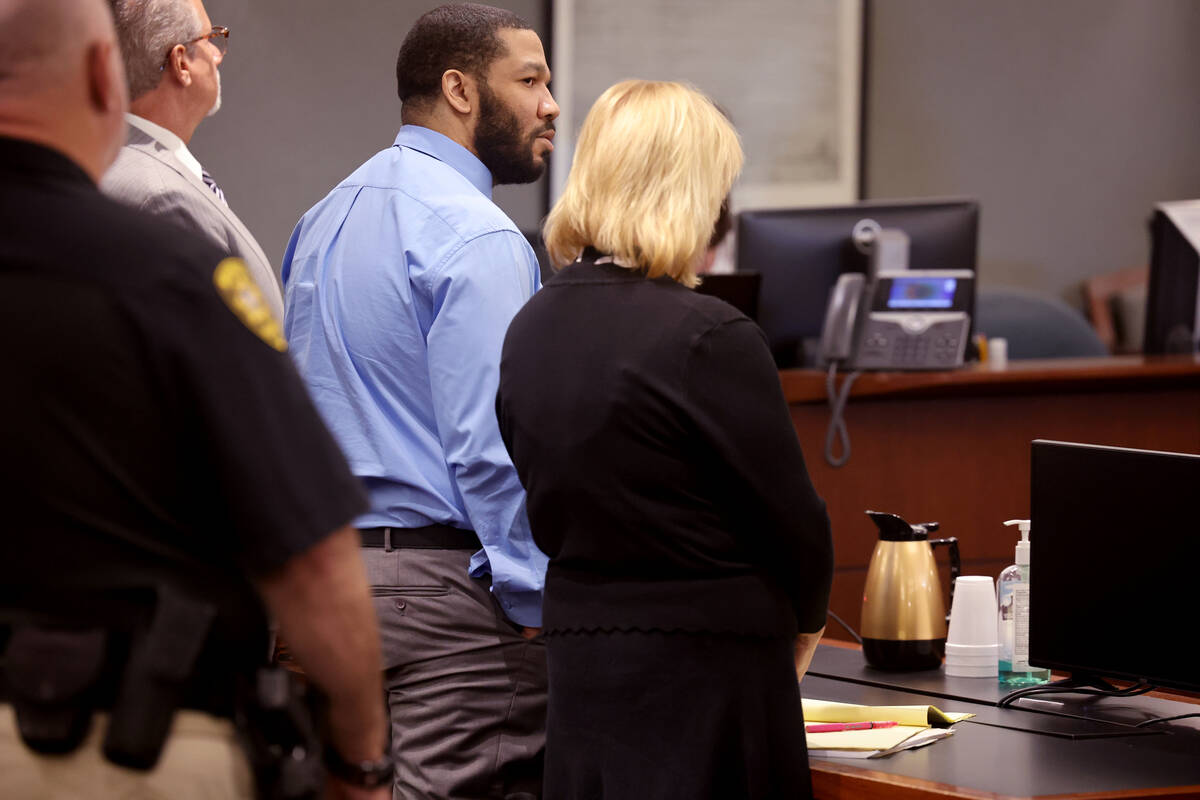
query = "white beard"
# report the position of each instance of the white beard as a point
(216, 106)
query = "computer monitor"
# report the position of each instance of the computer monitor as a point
(1173, 297)
(802, 251)
(1114, 550)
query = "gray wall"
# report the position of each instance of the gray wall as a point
(308, 94)
(1069, 119)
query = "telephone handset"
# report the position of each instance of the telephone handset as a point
(900, 319)
(837, 333)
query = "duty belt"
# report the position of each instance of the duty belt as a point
(55, 677)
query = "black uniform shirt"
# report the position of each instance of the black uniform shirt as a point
(664, 478)
(150, 417)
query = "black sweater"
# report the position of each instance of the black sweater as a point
(664, 477)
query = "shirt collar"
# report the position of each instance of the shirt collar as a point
(168, 140)
(592, 266)
(448, 151)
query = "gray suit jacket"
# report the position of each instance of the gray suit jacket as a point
(148, 177)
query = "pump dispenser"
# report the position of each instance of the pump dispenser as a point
(1012, 599)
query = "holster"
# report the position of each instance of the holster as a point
(161, 662)
(57, 676)
(50, 678)
(144, 659)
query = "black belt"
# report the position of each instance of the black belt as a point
(430, 537)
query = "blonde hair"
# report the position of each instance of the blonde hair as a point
(653, 164)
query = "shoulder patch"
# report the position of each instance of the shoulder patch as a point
(246, 301)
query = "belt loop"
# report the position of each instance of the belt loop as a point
(387, 540)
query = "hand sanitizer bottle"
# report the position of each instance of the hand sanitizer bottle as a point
(1012, 599)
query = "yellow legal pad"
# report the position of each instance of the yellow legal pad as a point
(919, 725)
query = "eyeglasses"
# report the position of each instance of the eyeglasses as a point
(219, 36)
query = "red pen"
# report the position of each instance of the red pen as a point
(834, 727)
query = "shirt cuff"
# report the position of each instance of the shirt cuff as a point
(523, 608)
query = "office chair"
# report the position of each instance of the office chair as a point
(1036, 325)
(1116, 305)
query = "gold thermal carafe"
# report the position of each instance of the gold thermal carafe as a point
(903, 614)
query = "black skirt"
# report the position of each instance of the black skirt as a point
(673, 716)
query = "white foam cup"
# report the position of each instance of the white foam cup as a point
(972, 649)
(978, 655)
(972, 654)
(973, 613)
(967, 671)
(972, 660)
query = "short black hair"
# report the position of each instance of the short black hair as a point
(723, 224)
(459, 36)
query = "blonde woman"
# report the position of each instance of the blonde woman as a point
(690, 557)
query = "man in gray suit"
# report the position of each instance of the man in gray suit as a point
(172, 53)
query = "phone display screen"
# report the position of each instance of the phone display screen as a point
(921, 293)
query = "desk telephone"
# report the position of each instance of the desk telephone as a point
(902, 319)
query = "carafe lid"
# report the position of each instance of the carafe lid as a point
(893, 528)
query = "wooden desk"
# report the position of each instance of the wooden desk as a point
(954, 446)
(1006, 754)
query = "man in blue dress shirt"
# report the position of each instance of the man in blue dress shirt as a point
(400, 285)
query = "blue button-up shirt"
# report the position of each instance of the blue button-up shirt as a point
(399, 287)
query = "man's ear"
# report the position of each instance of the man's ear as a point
(459, 90)
(106, 79)
(177, 66)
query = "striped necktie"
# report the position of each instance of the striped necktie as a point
(210, 183)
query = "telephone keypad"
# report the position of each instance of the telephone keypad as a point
(887, 345)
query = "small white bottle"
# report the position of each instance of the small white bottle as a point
(1012, 600)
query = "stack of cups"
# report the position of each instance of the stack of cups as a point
(972, 647)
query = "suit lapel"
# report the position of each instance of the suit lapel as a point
(148, 144)
(142, 141)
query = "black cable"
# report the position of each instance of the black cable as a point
(1031, 691)
(842, 622)
(1166, 719)
(1070, 687)
(837, 422)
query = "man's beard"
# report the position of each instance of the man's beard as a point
(216, 106)
(501, 147)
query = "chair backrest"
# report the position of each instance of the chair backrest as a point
(1116, 305)
(1036, 325)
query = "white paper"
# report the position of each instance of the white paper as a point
(926, 737)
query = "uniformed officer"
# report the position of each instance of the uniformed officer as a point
(164, 472)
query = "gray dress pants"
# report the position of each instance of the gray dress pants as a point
(466, 692)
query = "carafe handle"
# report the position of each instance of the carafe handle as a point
(955, 566)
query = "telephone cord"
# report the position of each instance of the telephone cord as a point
(837, 421)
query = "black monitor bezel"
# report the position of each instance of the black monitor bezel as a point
(1045, 624)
